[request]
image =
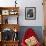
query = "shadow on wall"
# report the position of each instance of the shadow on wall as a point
(37, 29)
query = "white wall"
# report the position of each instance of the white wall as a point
(27, 3)
(39, 12)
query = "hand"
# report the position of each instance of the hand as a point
(32, 41)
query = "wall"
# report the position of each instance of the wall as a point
(27, 3)
(39, 13)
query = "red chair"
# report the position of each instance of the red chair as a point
(29, 33)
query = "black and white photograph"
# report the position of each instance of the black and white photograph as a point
(30, 13)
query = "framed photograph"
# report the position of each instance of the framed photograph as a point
(30, 13)
(5, 12)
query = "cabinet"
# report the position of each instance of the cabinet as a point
(9, 26)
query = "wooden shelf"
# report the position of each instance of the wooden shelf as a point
(9, 8)
(11, 26)
(9, 43)
(5, 12)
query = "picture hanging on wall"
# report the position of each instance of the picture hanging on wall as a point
(30, 13)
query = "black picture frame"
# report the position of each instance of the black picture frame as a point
(30, 13)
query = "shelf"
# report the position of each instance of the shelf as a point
(4, 8)
(9, 10)
(9, 19)
(11, 41)
(7, 16)
(10, 26)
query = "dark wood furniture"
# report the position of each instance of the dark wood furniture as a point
(10, 43)
(4, 13)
